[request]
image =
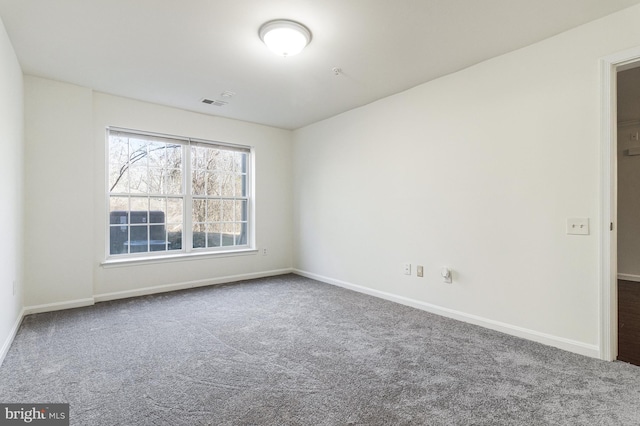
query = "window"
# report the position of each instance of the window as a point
(171, 195)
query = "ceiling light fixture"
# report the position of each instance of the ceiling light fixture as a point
(284, 37)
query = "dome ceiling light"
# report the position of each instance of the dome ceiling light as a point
(284, 37)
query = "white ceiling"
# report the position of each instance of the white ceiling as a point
(175, 53)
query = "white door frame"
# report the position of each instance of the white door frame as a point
(609, 67)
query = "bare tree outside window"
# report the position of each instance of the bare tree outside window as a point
(219, 189)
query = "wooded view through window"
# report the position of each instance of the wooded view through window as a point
(170, 195)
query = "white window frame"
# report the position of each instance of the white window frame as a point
(187, 249)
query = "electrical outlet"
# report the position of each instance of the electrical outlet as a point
(420, 271)
(406, 268)
(264, 252)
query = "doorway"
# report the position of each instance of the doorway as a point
(608, 327)
(628, 213)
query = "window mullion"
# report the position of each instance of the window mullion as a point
(187, 234)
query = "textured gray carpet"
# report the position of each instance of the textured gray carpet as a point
(293, 351)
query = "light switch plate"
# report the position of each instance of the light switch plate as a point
(578, 226)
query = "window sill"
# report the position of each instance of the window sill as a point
(181, 257)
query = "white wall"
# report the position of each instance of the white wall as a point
(479, 171)
(66, 204)
(11, 172)
(58, 193)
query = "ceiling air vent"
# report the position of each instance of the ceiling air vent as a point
(213, 102)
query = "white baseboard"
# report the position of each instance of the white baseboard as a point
(12, 334)
(188, 284)
(629, 277)
(547, 339)
(58, 306)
